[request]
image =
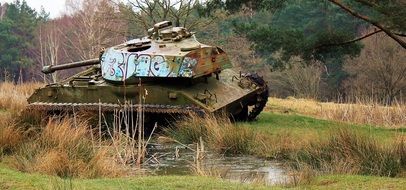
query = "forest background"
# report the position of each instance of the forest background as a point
(329, 50)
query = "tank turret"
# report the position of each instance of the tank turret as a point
(167, 52)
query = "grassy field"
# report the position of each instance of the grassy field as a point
(10, 179)
(330, 143)
(364, 112)
(304, 128)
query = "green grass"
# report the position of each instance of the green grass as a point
(10, 179)
(302, 126)
(355, 182)
(297, 128)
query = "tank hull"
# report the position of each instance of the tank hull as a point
(229, 92)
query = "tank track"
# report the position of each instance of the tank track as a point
(261, 97)
(105, 107)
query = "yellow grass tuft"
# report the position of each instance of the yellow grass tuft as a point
(370, 113)
(349, 152)
(66, 147)
(13, 98)
(104, 163)
(218, 131)
(58, 146)
(64, 134)
(281, 145)
(53, 162)
(10, 138)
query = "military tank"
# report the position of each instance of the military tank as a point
(169, 69)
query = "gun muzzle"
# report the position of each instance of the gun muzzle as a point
(52, 68)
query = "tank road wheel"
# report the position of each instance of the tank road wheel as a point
(242, 115)
(259, 101)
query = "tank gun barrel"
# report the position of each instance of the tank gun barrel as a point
(52, 68)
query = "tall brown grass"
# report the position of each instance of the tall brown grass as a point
(363, 112)
(11, 138)
(66, 148)
(348, 152)
(13, 98)
(12, 102)
(217, 131)
(345, 150)
(281, 145)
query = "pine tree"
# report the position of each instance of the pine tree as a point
(16, 38)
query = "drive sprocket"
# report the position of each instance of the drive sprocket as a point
(257, 104)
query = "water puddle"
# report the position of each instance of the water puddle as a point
(173, 159)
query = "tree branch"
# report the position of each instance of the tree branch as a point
(400, 34)
(350, 41)
(367, 3)
(365, 18)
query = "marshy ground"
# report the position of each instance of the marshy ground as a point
(321, 145)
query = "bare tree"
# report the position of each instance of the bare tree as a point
(379, 71)
(80, 34)
(92, 28)
(300, 79)
(49, 45)
(3, 9)
(146, 12)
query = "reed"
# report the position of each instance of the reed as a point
(199, 165)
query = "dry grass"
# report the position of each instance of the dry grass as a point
(281, 145)
(218, 131)
(199, 166)
(68, 150)
(65, 146)
(342, 150)
(370, 113)
(53, 162)
(224, 137)
(11, 138)
(70, 147)
(301, 176)
(13, 98)
(348, 152)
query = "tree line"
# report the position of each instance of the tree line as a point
(321, 49)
